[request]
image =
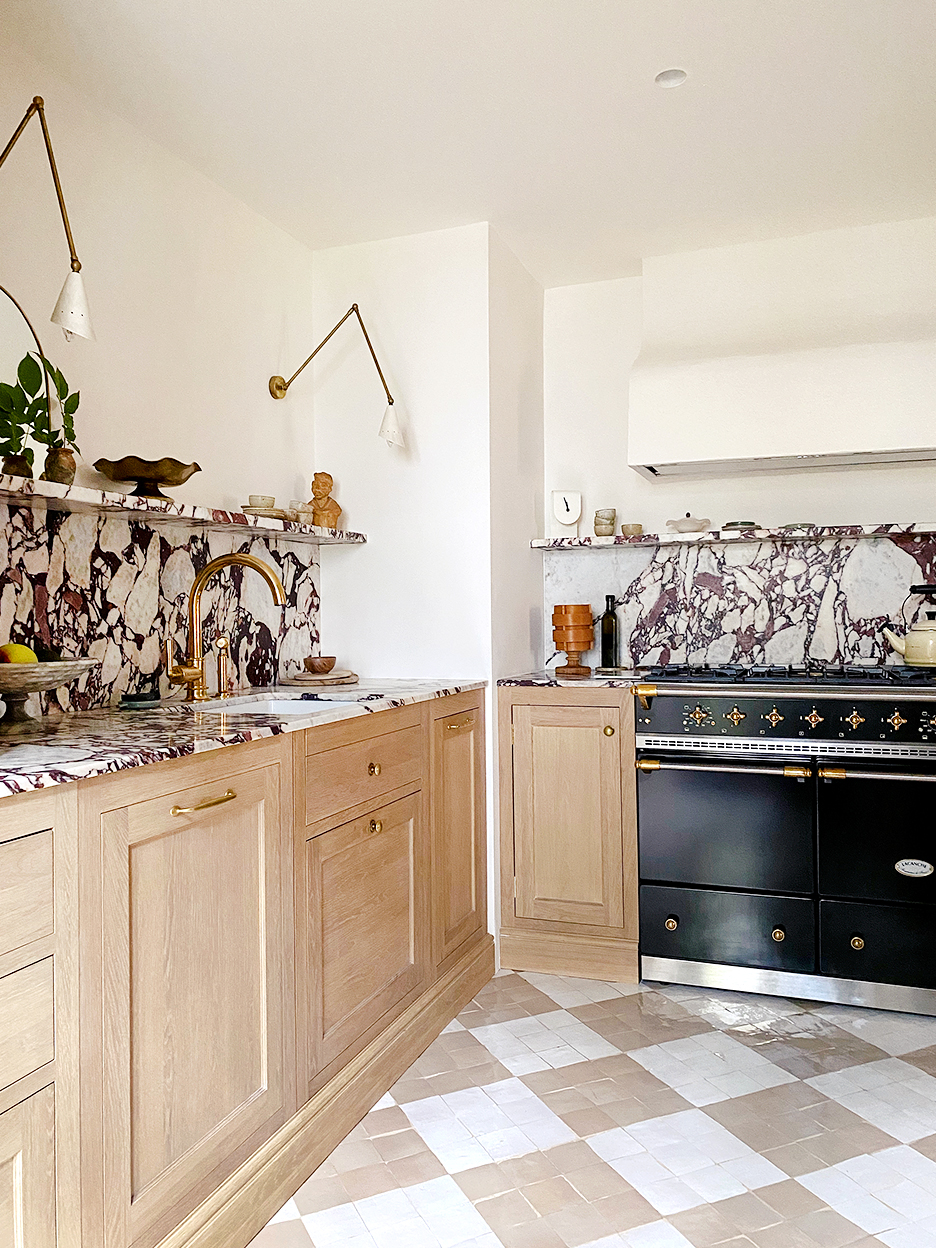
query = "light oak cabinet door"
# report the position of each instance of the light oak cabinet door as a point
(27, 1173)
(365, 925)
(567, 814)
(459, 850)
(196, 1043)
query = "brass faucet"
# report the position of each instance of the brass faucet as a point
(192, 672)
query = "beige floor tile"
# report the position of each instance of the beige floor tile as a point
(400, 1144)
(748, 1212)
(282, 1235)
(790, 1199)
(589, 1121)
(383, 1121)
(531, 1235)
(419, 1168)
(924, 1058)
(572, 1156)
(704, 1227)
(597, 1181)
(320, 1193)
(508, 1209)
(533, 1168)
(355, 1155)
(369, 1181)
(782, 1235)
(625, 1211)
(551, 1195)
(483, 1182)
(793, 1159)
(829, 1229)
(926, 1146)
(578, 1225)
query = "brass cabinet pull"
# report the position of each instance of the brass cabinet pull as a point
(376, 825)
(857, 942)
(609, 731)
(373, 769)
(778, 934)
(671, 924)
(227, 796)
(464, 723)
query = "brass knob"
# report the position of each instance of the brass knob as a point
(609, 731)
(857, 942)
(778, 934)
(671, 924)
(373, 769)
(375, 825)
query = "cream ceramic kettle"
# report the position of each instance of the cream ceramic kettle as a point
(918, 647)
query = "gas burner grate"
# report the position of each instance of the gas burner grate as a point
(815, 672)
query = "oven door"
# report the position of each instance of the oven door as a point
(876, 840)
(723, 823)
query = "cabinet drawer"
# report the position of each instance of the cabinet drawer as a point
(892, 944)
(27, 1174)
(735, 928)
(26, 1021)
(349, 774)
(25, 890)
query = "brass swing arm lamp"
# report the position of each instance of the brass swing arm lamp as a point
(390, 429)
(71, 310)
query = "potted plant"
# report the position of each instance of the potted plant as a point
(24, 413)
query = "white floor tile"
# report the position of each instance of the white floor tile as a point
(894, 1033)
(890, 1094)
(671, 1196)
(334, 1226)
(288, 1213)
(655, 1235)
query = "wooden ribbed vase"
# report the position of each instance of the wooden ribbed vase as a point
(573, 633)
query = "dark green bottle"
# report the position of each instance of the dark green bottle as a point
(609, 634)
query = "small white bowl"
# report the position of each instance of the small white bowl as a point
(267, 501)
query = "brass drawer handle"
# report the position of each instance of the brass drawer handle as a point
(464, 723)
(609, 731)
(857, 942)
(227, 796)
(376, 825)
(778, 934)
(373, 769)
(671, 924)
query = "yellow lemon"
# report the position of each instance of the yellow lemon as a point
(13, 653)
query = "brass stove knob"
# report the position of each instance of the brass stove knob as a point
(671, 924)
(857, 942)
(778, 934)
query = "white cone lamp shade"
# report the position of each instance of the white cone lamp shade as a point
(71, 311)
(391, 427)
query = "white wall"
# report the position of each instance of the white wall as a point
(416, 600)
(593, 334)
(196, 300)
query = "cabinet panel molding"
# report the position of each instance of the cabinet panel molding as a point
(27, 1173)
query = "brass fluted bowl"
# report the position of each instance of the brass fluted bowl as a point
(149, 474)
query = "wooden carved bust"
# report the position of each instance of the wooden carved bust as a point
(325, 511)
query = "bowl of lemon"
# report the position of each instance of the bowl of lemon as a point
(21, 674)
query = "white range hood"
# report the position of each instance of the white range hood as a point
(806, 353)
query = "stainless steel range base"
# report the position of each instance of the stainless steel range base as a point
(786, 984)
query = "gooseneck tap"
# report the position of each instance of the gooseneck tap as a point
(192, 672)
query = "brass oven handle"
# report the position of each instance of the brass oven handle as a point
(373, 769)
(792, 771)
(840, 773)
(643, 693)
(464, 723)
(227, 796)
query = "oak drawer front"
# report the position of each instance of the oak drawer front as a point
(27, 1173)
(27, 1036)
(343, 777)
(25, 890)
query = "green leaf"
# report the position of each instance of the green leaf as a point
(30, 375)
(61, 386)
(71, 403)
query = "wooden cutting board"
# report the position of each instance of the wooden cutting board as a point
(310, 679)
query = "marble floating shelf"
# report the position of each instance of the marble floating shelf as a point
(49, 495)
(811, 533)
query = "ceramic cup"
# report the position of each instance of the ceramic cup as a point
(266, 501)
(604, 522)
(631, 530)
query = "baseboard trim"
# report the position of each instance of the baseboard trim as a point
(559, 953)
(244, 1203)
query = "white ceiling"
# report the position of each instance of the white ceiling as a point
(350, 120)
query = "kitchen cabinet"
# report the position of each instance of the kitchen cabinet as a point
(39, 1176)
(459, 848)
(190, 868)
(568, 832)
(27, 1173)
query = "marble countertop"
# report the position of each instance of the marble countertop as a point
(75, 746)
(549, 680)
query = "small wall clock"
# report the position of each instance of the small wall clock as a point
(566, 513)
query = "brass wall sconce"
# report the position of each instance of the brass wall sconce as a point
(389, 429)
(71, 310)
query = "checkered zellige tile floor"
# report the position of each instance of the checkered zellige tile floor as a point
(566, 1113)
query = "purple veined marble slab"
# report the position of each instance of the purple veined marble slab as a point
(803, 533)
(549, 680)
(76, 746)
(81, 499)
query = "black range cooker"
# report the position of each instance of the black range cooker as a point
(785, 831)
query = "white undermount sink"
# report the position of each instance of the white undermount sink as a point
(281, 707)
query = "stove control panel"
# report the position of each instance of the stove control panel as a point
(817, 719)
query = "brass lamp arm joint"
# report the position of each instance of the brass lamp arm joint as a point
(278, 387)
(37, 106)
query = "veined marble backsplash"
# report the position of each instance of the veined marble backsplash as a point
(748, 602)
(98, 586)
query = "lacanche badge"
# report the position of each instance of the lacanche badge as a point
(915, 867)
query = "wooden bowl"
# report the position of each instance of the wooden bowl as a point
(319, 664)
